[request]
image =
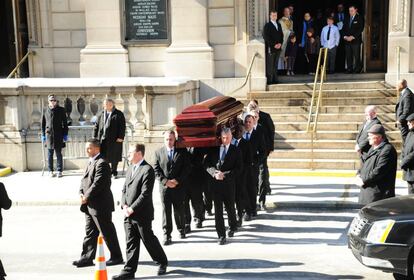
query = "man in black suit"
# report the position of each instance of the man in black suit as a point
(171, 169)
(241, 179)
(54, 133)
(266, 122)
(138, 210)
(404, 107)
(407, 156)
(362, 145)
(273, 37)
(340, 18)
(194, 188)
(256, 140)
(5, 203)
(353, 27)
(97, 204)
(110, 130)
(377, 175)
(223, 164)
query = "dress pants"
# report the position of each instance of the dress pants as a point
(96, 224)
(135, 232)
(353, 57)
(252, 188)
(410, 187)
(264, 183)
(241, 194)
(224, 193)
(331, 60)
(114, 168)
(403, 126)
(194, 192)
(172, 198)
(59, 159)
(271, 66)
(208, 197)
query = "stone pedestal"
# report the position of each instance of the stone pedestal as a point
(189, 54)
(104, 56)
(401, 19)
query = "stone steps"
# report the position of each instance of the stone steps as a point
(358, 118)
(331, 109)
(378, 84)
(329, 135)
(330, 101)
(317, 164)
(327, 126)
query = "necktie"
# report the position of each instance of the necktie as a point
(350, 22)
(170, 155)
(223, 154)
(134, 169)
(329, 33)
(106, 115)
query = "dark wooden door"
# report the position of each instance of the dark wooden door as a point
(22, 38)
(376, 34)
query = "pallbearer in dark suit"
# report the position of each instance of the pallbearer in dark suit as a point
(139, 212)
(5, 203)
(273, 37)
(256, 140)
(194, 188)
(110, 130)
(97, 204)
(407, 156)
(223, 164)
(265, 120)
(172, 169)
(241, 179)
(404, 107)
(362, 145)
(352, 35)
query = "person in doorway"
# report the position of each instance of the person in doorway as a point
(110, 131)
(340, 18)
(273, 37)
(287, 27)
(353, 27)
(54, 133)
(301, 62)
(312, 47)
(290, 54)
(330, 39)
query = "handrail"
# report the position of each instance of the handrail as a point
(24, 58)
(248, 75)
(322, 52)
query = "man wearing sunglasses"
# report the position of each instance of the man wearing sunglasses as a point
(54, 133)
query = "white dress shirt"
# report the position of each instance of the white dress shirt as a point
(334, 37)
(275, 24)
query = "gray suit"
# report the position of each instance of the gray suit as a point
(137, 194)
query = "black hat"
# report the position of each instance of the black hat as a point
(410, 117)
(377, 129)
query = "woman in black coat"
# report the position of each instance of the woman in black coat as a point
(5, 203)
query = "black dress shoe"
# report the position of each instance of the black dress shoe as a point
(239, 222)
(230, 233)
(124, 276)
(182, 235)
(111, 262)
(263, 206)
(199, 224)
(254, 214)
(187, 229)
(247, 217)
(209, 213)
(162, 269)
(82, 263)
(222, 241)
(167, 241)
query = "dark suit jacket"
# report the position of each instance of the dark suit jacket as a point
(407, 158)
(231, 166)
(362, 137)
(246, 155)
(357, 26)
(405, 105)
(265, 120)
(54, 126)
(177, 169)
(137, 192)
(257, 145)
(378, 173)
(272, 36)
(96, 187)
(109, 131)
(5, 203)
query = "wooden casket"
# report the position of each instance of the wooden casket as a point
(200, 125)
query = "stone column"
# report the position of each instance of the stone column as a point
(104, 56)
(189, 53)
(401, 19)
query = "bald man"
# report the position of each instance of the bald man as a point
(362, 145)
(404, 107)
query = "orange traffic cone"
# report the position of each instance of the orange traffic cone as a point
(100, 266)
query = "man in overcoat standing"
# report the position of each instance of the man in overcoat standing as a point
(407, 156)
(377, 175)
(110, 131)
(273, 37)
(97, 202)
(138, 210)
(5, 203)
(54, 133)
(404, 107)
(362, 145)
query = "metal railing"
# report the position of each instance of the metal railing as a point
(16, 70)
(314, 109)
(248, 76)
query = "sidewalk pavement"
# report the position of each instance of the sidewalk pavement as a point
(30, 188)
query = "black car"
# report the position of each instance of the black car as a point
(382, 236)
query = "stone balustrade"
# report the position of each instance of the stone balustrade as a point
(149, 106)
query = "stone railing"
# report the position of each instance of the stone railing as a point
(149, 106)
